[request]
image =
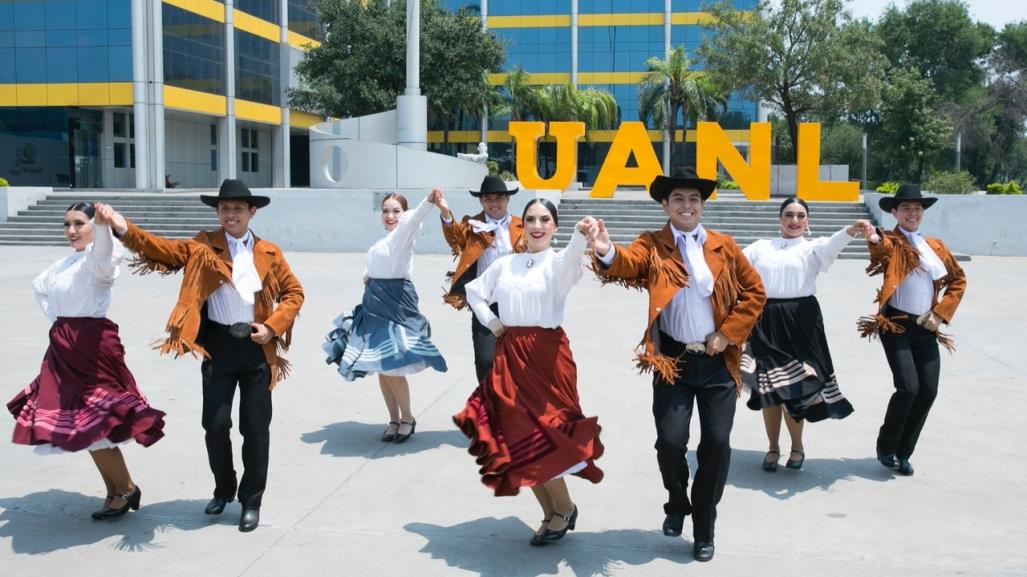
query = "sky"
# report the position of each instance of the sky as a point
(998, 13)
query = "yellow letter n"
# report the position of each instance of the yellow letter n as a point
(713, 145)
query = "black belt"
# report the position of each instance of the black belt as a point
(237, 330)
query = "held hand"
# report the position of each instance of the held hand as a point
(600, 241)
(716, 343)
(586, 226)
(101, 216)
(111, 217)
(440, 201)
(435, 196)
(262, 333)
(860, 227)
(497, 327)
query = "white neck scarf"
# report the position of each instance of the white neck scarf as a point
(244, 274)
(929, 261)
(702, 278)
(490, 224)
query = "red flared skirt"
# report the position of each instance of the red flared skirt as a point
(84, 392)
(524, 420)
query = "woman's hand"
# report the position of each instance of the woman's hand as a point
(600, 239)
(107, 215)
(861, 227)
(497, 327)
(586, 226)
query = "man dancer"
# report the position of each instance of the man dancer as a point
(917, 271)
(226, 313)
(478, 241)
(704, 298)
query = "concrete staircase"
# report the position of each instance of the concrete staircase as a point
(171, 215)
(747, 221)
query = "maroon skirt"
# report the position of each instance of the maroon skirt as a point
(524, 420)
(84, 392)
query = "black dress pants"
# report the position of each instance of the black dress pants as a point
(706, 382)
(484, 345)
(915, 365)
(235, 363)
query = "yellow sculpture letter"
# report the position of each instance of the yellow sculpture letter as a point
(631, 138)
(714, 145)
(566, 134)
(809, 185)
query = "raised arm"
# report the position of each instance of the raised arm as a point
(567, 269)
(410, 222)
(152, 247)
(105, 256)
(826, 250)
(454, 232)
(618, 262)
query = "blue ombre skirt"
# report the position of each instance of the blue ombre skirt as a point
(384, 334)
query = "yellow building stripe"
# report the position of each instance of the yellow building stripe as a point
(67, 94)
(691, 18)
(610, 77)
(257, 112)
(194, 101)
(639, 19)
(301, 119)
(541, 21)
(206, 8)
(537, 78)
(256, 26)
(300, 41)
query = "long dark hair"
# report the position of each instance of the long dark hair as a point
(793, 200)
(84, 207)
(549, 206)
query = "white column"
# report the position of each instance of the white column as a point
(485, 111)
(139, 55)
(574, 42)
(412, 106)
(667, 10)
(155, 97)
(281, 176)
(228, 155)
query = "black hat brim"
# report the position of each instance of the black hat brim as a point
(478, 193)
(252, 200)
(888, 203)
(662, 186)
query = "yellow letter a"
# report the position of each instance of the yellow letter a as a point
(631, 138)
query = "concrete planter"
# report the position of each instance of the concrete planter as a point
(974, 224)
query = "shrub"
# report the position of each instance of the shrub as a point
(1011, 187)
(726, 184)
(507, 176)
(493, 166)
(951, 182)
(3, 181)
(888, 187)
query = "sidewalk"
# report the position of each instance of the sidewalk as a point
(340, 502)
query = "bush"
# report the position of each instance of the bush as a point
(887, 187)
(507, 176)
(493, 166)
(1011, 187)
(951, 182)
(3, 181)
(726, 184)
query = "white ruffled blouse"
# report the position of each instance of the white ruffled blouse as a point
(81, 284)
(789, 266)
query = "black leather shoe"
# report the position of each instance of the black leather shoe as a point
(770, 464)
(571, 519)
(673, 524)
(703, 551)
(131, 502)
(536, 539)
(888, 459)
(389, 435)
(249, 520)
(99, 514)
(400, 437)
(905, 467)
(796, 464)
(216, 506)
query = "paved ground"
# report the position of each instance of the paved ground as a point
(342, 503)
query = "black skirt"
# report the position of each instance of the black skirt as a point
(787, 362)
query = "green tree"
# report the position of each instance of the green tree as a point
(360, 68)
(911, 130)
(671, 90)
(807, 58)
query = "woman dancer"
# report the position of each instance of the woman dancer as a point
(85, 397)
(386, 334)
(788, 363)
(524, 420)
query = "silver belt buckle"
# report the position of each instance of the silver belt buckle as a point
(696, 349)
(241, 330)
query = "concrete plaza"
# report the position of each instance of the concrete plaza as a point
(340, 502)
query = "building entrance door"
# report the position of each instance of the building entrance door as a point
(84, 137)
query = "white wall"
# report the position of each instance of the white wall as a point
(187, 152)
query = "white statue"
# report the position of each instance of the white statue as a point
(480, 157)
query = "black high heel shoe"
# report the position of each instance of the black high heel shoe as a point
(98, 514)
(536, 539)
(796, 463)
(557, 535)
(131, 502)
(401, 438)
(388, 437)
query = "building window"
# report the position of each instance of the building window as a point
(194, 51)
(249, 145)
(214, 147)
(264, 9)
(256, 69)
(303, 18)
(119, 155)
(122, 133)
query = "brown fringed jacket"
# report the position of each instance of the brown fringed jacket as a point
(895, 257)
(652, 262)
(207, 263)
(469, 246)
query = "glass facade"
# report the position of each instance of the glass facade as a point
(65, 41)
(618, 48)
(52, 146)
(537, 49)
(528, 7)
(264, 9)
(303, 18)
(256, 69)
(619, 6)
(194, 51)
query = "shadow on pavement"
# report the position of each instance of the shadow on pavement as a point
(816, 473)
(52, 520)
(353, 439)
(494, 547)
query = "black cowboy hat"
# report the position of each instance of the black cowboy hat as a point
(682, 177)
(232, 189)
(492, 185)
(906, 193)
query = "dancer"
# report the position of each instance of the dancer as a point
(85, 397)
(386, 333)
(788, 363)
(525, 420)
(923, 285)
(704, 298)
(478, 241)
(226, 313)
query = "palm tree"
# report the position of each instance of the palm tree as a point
(670, 86)
(597, 109)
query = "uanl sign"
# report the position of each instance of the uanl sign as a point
(712, 146)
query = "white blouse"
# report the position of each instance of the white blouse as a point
(531, 288)
(393, 255)
(789, 266)
(80, 285)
